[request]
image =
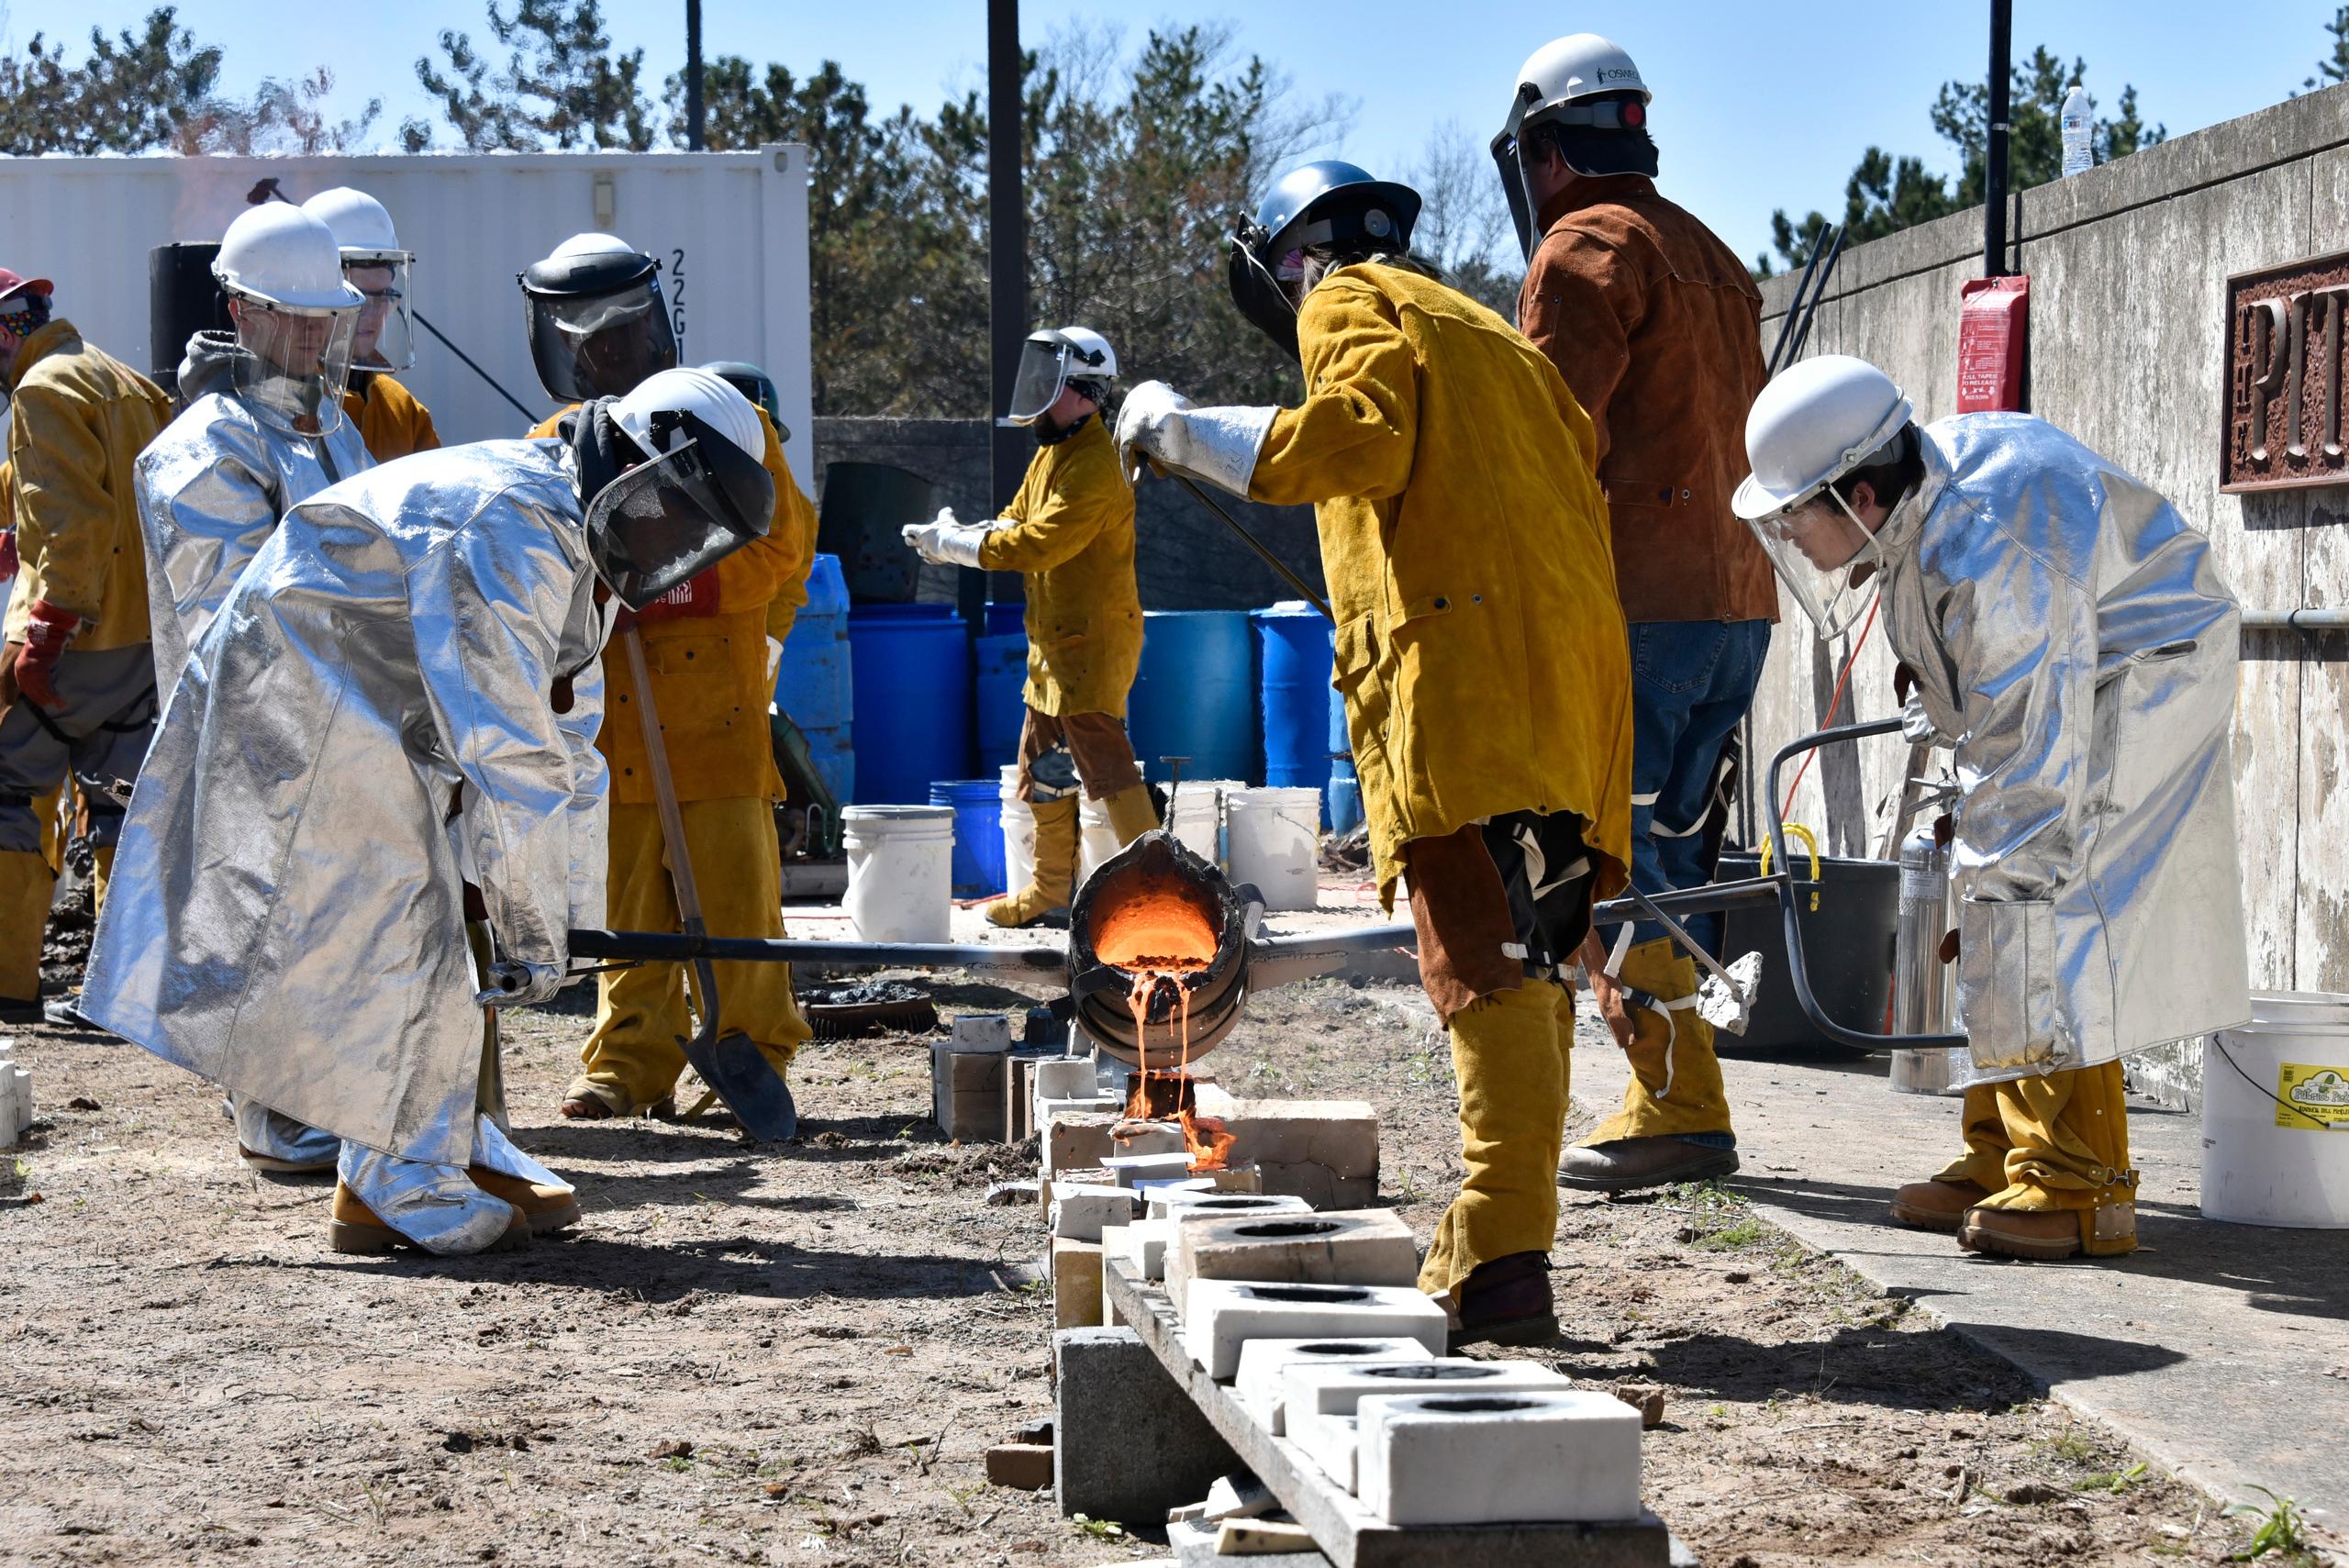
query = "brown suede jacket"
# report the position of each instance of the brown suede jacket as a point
(1656, 327)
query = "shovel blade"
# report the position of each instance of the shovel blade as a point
(738, 1072)
(1728, 1005)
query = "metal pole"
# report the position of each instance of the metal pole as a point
(1007, 276)
(1286, 573)
(695, 123)
(1994, 176)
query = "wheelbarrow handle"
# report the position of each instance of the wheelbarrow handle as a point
(1798, 972)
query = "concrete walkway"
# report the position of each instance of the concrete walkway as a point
(2219, 1349)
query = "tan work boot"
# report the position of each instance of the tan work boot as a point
(356, 1230)
(1055, 878)
(2106, 1230)
(1131, 813)
(1936, 1205)
(547, 1208)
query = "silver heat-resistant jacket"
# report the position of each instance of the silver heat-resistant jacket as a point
(211, 487)
(2069, 630)
(286, 915)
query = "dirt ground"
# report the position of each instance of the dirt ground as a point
(799, 1355)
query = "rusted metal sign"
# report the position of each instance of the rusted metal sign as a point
(2281, 424)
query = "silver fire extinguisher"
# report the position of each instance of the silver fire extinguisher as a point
(1925, 989)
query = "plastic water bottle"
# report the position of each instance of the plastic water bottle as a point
(2079, 149)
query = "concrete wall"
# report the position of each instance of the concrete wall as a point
(1185, 559)
(2128, 265)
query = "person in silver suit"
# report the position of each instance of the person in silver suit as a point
(2061, 627)
(395, 707)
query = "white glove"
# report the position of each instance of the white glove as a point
(946, 542)
(775, 660)
(1917, 726)
(1219, 445)
(517, 984)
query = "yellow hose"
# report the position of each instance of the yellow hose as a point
(1810, 842)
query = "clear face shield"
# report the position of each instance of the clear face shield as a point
(292, 364)
(668, 520)
(1829, 560)
(1044, 369)
(600, 345)
(385, 339)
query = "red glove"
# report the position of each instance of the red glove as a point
(46, 633)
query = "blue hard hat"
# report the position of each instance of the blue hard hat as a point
(1343, 195)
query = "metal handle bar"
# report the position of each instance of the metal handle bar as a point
(1798, 972)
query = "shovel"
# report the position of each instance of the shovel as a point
(734, 1068)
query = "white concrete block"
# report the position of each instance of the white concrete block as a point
(1150, 1138)
(1361, 1247)
(1067, 1078)
(1220, 1316)
(1201, 1199)
(1145, 1251)
(1315, 1387)
(983, 1031)
(1330, 1441)
(1447, 1458)
(1093, 1105)
(1080, 1210)
(1132, 1169)
(24, 1100)
(1261, 1388)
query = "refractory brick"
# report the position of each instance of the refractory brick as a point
(1262, 1388)
(1449, 1459)
(1220, 1316)
(1365, 1247)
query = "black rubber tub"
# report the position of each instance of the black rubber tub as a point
(1847, 948)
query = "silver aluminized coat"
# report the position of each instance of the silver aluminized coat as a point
(2070, 631)
(211, 487)
(286, 915)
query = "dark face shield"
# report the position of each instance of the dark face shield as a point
(1264, 287)
(600, 345)
(1595, 138)
(676, 516)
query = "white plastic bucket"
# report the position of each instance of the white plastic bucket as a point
(1274, 837)
(1018, 833)
(1195, 815)
(900, 872)
(2276, 1115)
(1096, 840)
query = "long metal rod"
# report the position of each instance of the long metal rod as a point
(674, 946)
(1994, 175)
(1275, 561)
(424, 321)
(2302, 619)
(1794, 306)
(673, 833)
(1819, 291)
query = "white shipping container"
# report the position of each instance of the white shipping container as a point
(729, 228)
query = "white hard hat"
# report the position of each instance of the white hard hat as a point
(1580, 65)
(279, 253)
(362, 229)
(594, 243)
(1094, 356)
(1814, 424)
(706, 394)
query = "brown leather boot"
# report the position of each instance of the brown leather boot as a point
(547, 1208)
(2106, 1230)
(1936, 1205)
(356, 1229)
(1505, 1302)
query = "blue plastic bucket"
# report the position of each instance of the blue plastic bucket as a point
(978, 834)
(1294, 644)
(815, 682)
(913, 700)
(1002, 678)
(1196, 696)
(1341, 802)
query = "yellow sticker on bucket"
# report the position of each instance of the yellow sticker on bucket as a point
(2312, 1097)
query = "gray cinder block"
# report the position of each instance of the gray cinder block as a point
(1127, 1443)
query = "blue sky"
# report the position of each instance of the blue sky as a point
(1757, 107)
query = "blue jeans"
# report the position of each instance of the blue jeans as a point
(1691, 682)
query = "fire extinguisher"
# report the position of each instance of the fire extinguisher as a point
(1993, 343)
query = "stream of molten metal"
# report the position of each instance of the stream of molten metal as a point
(1158, 936)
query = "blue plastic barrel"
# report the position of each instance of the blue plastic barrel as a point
(978, 834)
(1002, 675)
(1196, 696)
(815, 683)
(1293, 643)
(1341, 802)
(913, 700)
(1342, 741)
(1003, 618)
